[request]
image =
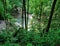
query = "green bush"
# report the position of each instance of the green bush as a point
(30, 38)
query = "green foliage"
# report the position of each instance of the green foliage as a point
(1, 8)
(34, 37)
(30, 38)
(29, 44)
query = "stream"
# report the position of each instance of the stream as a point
(18, 23)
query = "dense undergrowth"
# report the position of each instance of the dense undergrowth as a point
(30, 38)
(35, 36)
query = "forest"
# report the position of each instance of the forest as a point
(29, 22)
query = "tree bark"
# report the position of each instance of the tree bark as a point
(27, 12)
(24, 9)
(51, 14)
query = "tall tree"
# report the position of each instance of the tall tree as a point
(27, 12)
(51, 14)
(22, 17)
(24, 12)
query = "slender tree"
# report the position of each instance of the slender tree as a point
(27, 12)
(24, 9)
(22, 17)
(51, 14)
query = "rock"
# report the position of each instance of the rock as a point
(2, 25)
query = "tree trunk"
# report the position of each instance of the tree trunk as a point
(27, 12)
(51, 14)
(24, 9)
